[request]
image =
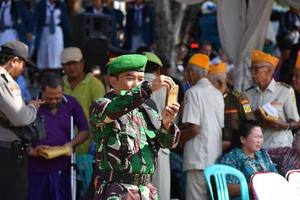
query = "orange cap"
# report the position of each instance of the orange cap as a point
(297, 66)
(200, 60)
(219, 68)
(259, 56)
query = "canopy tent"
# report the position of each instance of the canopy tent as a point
(242, 25)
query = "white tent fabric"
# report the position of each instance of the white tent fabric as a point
(242, 28)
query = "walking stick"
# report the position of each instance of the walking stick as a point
(73, 161)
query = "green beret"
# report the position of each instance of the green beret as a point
(153, 58)
(129, 62)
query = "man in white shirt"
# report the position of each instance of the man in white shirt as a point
(203, 120)
(280, 95)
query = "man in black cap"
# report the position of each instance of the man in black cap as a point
(13, 110)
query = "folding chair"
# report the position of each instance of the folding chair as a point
(293, 177)
(219, 173)
(271, 186)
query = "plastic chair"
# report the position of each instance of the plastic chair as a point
(293, 177)
(84, 165)
(219, 172)
(272, 186)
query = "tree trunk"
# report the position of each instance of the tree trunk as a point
(169, 16)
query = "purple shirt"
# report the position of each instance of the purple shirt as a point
(58, 130)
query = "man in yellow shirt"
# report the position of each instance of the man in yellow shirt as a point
(84, 87)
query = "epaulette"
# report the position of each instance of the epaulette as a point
(253, 86)
(236, 94)
(4, 77)
(284, 84)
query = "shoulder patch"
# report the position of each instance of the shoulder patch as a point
(236, 93)
(13, 88)
(250, 88)
(284, 84)
(247, 108)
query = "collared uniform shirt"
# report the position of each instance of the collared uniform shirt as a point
(248, 166)
(12, 106)
(237, 109)
(203, 106)
(282, 97)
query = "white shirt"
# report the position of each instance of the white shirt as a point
(282, 97)
(203, 106)
(7, 16)
(57, 13)
(12, 106)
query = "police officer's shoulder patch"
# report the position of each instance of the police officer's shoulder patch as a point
(284, 84)
(250, 88)
(13, 88)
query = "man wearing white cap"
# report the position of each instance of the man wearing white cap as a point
(84, 87)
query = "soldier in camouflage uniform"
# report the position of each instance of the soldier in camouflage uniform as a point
(129, 131)
(237, 107)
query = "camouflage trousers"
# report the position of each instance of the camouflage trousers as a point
(120, 191)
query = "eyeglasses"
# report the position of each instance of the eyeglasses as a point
(257, 68)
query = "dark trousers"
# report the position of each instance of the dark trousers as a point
(13, 176)
(55, 185)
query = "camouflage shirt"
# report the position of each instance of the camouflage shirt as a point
(128, 133)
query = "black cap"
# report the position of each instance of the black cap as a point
(17, 48)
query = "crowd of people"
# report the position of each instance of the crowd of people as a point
(121, 118)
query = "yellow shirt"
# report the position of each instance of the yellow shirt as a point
(85, 92)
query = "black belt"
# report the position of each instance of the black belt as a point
(127, 178)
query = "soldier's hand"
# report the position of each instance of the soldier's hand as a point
(37, 103)
(169, 114)
(162, 81)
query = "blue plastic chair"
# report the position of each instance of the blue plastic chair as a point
(219, 173)
(84, 165)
